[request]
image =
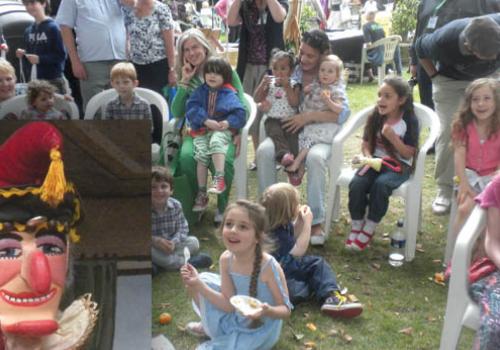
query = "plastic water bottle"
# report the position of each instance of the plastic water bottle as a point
(398, 242)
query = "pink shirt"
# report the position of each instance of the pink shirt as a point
(490, 197)
(483, 158)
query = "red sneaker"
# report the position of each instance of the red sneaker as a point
(218, 185)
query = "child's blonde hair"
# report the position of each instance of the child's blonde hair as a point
(339, 65)
(7, 68)
(124, 70)
(464, 114)
(36, 88)
(257, 215)
(281, 201)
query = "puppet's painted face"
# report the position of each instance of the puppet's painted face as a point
(33, 267)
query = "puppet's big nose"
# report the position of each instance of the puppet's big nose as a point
(38, 272)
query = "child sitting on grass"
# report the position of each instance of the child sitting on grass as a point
(306, 275)
(245, 270)
(170, 228)
(40, 98)
(215, 115)
(127, 105)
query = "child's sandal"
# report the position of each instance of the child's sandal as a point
(353, 235)
(360, 246)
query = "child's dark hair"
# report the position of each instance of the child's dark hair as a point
(43, 2)
(37, 87)
(277, 54)
(221, 66)
(464, 114)
(318, 40)
(375, 121)
(161, 173)
(258, 218)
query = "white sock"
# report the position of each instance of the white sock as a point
(369, 228)
(357, 225)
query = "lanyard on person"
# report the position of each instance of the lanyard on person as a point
(431, 24)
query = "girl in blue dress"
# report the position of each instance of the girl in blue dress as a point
(245, 269)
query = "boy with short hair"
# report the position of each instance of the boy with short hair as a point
(127, 105)
(169, 226)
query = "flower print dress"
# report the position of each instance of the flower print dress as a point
(231, 330)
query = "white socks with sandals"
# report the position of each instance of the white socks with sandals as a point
(361, 234)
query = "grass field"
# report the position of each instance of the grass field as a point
(404, 308)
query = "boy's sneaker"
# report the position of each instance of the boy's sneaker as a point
(201, 202)
(201, 261)
(218, 185)
(338, 305)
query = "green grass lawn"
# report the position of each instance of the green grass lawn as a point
(404, 308)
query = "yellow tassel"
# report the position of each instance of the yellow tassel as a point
(75, 237)
(54, 186)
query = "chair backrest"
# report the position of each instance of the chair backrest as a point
(390, 43)
(17, 104)
(99, 102)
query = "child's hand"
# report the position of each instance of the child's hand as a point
(20, 53)
(325, 95)
(388, 132)
(266, 81)
(308, 89)
(259, 314)
(264, 106)
(33, 59)
(190, 275)
(305, 214)
(224, 125)
(212, 125)
(464, 191)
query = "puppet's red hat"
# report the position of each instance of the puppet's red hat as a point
(32, 180)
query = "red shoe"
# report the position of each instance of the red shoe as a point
(353, 235)
(218, 185)
(294, 178)
(287, 159)
(360, 246)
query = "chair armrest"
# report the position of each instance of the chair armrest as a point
(474, 226)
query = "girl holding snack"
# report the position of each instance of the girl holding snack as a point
(324, 94)
(391, 133)
(279, 100)
(245, 269)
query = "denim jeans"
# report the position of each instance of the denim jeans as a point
(373, 190)
(316, 164)
(312, 272)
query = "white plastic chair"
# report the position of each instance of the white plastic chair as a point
(240, 162)
(17, 104)
(410, 190)
(460, 309)
(389, 43)
(98, 103)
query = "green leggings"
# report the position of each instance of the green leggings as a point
(187, 166)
